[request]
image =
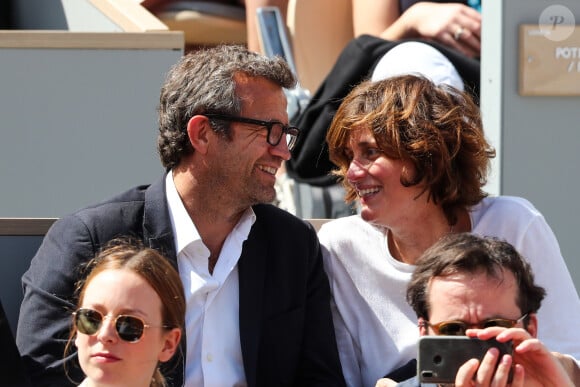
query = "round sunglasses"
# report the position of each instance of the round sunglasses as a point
(128, 328)
(458, 328)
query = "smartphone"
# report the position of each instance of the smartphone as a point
(275, 42)
(440, 357)
(272, 35)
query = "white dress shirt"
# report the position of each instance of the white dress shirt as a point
(214, 354)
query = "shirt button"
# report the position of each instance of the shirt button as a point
(209, 357)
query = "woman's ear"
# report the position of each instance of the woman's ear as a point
(199, 132)
(170, 345)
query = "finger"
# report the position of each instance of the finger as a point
(486, 369)
(484, 334)
(466, 373)
(531, 345)
(519, 375)
(514, 334)
(453, 38)
(500, 378)
(468, 39)
(501, 334)
(447, 39)
(385, 383)
(471, 19)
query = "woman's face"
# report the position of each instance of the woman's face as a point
(104, 357)
(377, 180)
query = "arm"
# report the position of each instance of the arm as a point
(570, 365)
(347, 347)
(432, 21)
(539, 246)
(44, 321)
(372, 17)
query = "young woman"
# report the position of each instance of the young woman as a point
(130, 317)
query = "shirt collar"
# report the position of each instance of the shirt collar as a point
(184, 229)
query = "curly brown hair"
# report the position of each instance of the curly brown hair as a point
(437, 129)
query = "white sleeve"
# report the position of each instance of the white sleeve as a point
(346, 349)
(344, 340)
(559, 314)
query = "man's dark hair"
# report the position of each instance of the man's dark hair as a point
(204, 81)
(469, 253)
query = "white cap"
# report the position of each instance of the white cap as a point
(417, 58)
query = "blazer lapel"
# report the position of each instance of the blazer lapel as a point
(252, 272)
(157, 230)
(158, 234)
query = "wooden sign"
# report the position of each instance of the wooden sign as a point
(549, 66)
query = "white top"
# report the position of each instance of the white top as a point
(375, 327)
(214, 353)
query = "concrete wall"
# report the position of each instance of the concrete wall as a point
(78, 116)
(77, 126)
(78, 108)
(537, 137)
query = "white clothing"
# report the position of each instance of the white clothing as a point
(376, 329)
(214, 353)
(417, 58)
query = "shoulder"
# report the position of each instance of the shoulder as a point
(512, 218)
(271, 219)
(290, 242)
(124, 205)
(348, 227)
(115, 216)
(507, 205)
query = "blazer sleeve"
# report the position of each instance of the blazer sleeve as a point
(286, 328)
(45, 314)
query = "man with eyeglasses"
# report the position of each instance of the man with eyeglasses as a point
(258, 302)
(481, 287)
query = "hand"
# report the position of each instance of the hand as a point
(570, 365)
(455, 25)
(534, 366)
(384, 382)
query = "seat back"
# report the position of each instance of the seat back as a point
(317, 223)
(205, 23)
(19, 240)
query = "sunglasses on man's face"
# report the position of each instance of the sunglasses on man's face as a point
(128, 328)
(458, 328)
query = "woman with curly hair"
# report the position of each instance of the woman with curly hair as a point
(414, 157)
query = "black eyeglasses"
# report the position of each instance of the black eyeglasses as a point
(129, 328)
(275, 128)
(458, 328)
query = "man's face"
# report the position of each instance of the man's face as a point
(244, 170)
(471, 298)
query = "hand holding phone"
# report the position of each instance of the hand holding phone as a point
(440, 357)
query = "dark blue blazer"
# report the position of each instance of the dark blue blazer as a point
(286, 330)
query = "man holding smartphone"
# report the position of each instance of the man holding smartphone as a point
(480, 287)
